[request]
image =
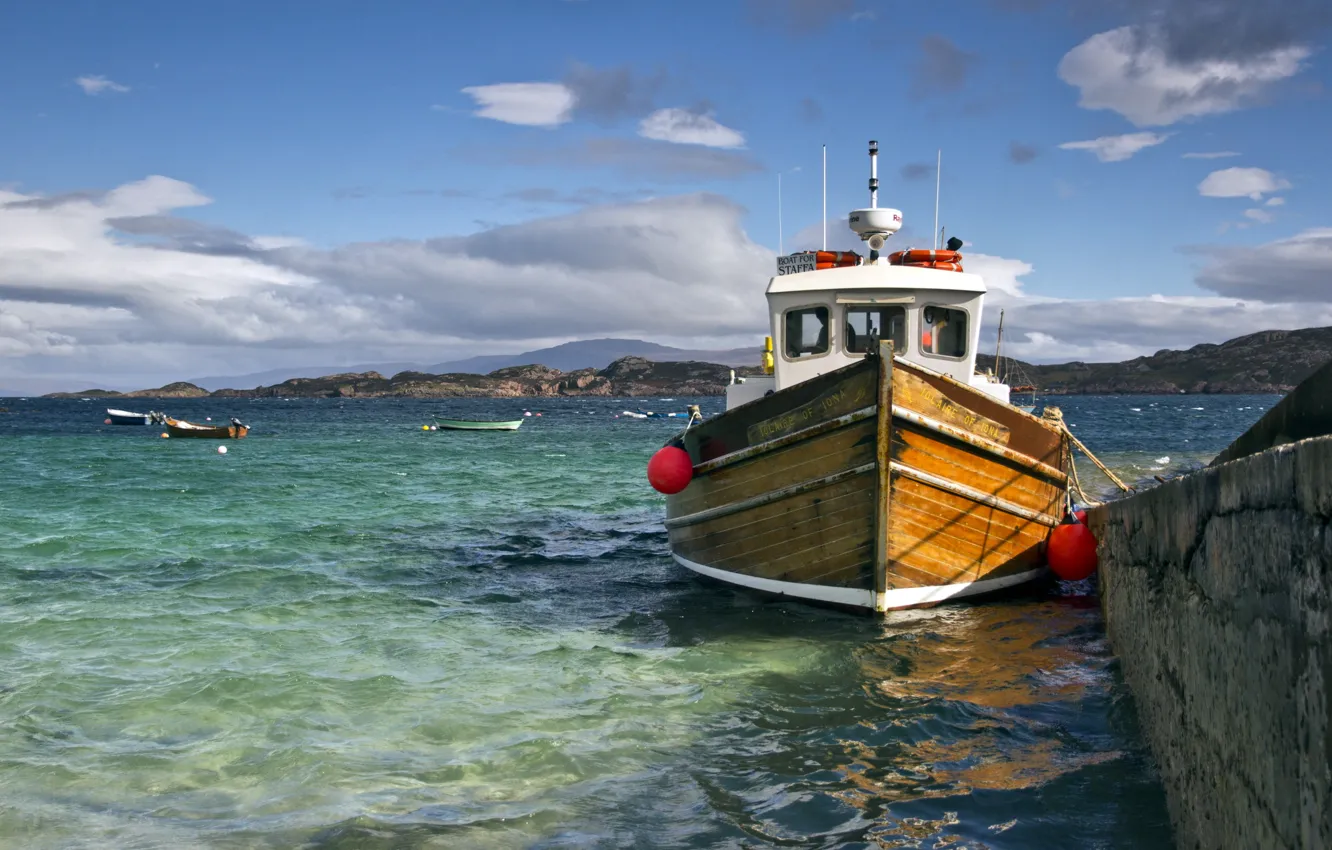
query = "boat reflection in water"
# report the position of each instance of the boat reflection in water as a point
(975, 703)
(1002, 725)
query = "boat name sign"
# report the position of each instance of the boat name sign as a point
(796, 263)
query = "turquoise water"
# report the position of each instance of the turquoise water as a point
(347, 632)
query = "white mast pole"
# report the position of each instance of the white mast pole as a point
(825, 197)
(780, 249)
(874, 174)
(938, 169)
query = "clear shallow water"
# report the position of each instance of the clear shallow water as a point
(348, 632)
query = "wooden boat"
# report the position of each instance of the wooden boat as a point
(871, 467)
(125, 417)
(477, 424)
(180, 428)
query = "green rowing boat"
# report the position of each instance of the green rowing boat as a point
(477, 424)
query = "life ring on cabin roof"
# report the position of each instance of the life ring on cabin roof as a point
(949, 261)
(834, 259)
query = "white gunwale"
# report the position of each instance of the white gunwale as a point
(863, 597)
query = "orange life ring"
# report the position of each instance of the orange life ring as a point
(834, 259)
(837, 257)
(950, 261)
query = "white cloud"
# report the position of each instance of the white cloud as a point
(1118, 71)
(1000, 273)
(118, 288)
(1294, 269)
(94, 84)
(1117, 148)
(1275, 202)
(64, 271)
(1212, 155)
(689, 128)
(1261, 216)
(1252, 294)
(72, 283)
(1115, 329)
(1250, 183)
(529, 104)
(20, 337)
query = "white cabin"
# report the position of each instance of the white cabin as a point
(822, 319)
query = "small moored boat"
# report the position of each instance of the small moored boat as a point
(181, 428)
(450, 424)
(125, 417)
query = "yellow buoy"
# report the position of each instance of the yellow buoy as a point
(425, 427)
(165, 435)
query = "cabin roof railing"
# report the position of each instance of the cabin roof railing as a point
(882, 276)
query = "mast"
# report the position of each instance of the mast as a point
(779, 214)
(825, 197)
(938, 174)
(998, 344)
(874, 174)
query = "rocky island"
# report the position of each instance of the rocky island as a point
(627, 377)
(1266, 362)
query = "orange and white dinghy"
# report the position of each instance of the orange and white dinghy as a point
(871, 466)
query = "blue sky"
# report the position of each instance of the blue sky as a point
(369, 180)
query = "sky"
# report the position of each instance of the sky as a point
(203, 189)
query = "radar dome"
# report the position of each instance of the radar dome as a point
(880, 220)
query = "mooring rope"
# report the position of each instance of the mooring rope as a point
(1056, 416)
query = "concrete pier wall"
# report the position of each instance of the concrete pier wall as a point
(1305, 413)
(1217, 593)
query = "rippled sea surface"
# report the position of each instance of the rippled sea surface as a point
(348, 632)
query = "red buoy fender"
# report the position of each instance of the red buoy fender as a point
(1071, 550)
(670, 470)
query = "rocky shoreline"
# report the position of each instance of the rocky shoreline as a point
(626, 377)
(1271, 362)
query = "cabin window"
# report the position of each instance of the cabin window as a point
(888, 322)
(806, 332)
(943, 331)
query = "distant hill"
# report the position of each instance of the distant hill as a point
(1263, 362)
(625, 377)
(274, 376)
(87, 394)
(597, 354)
(571, 356)
(180, 389)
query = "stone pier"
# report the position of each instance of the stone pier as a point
(1217, 594)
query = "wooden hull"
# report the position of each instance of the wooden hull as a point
(879, 486)
(477, 425)
(181, 428)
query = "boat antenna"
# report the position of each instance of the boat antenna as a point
(874, 174)
(779, 214)
(825, 197)
(938, 173)
(998, 344)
